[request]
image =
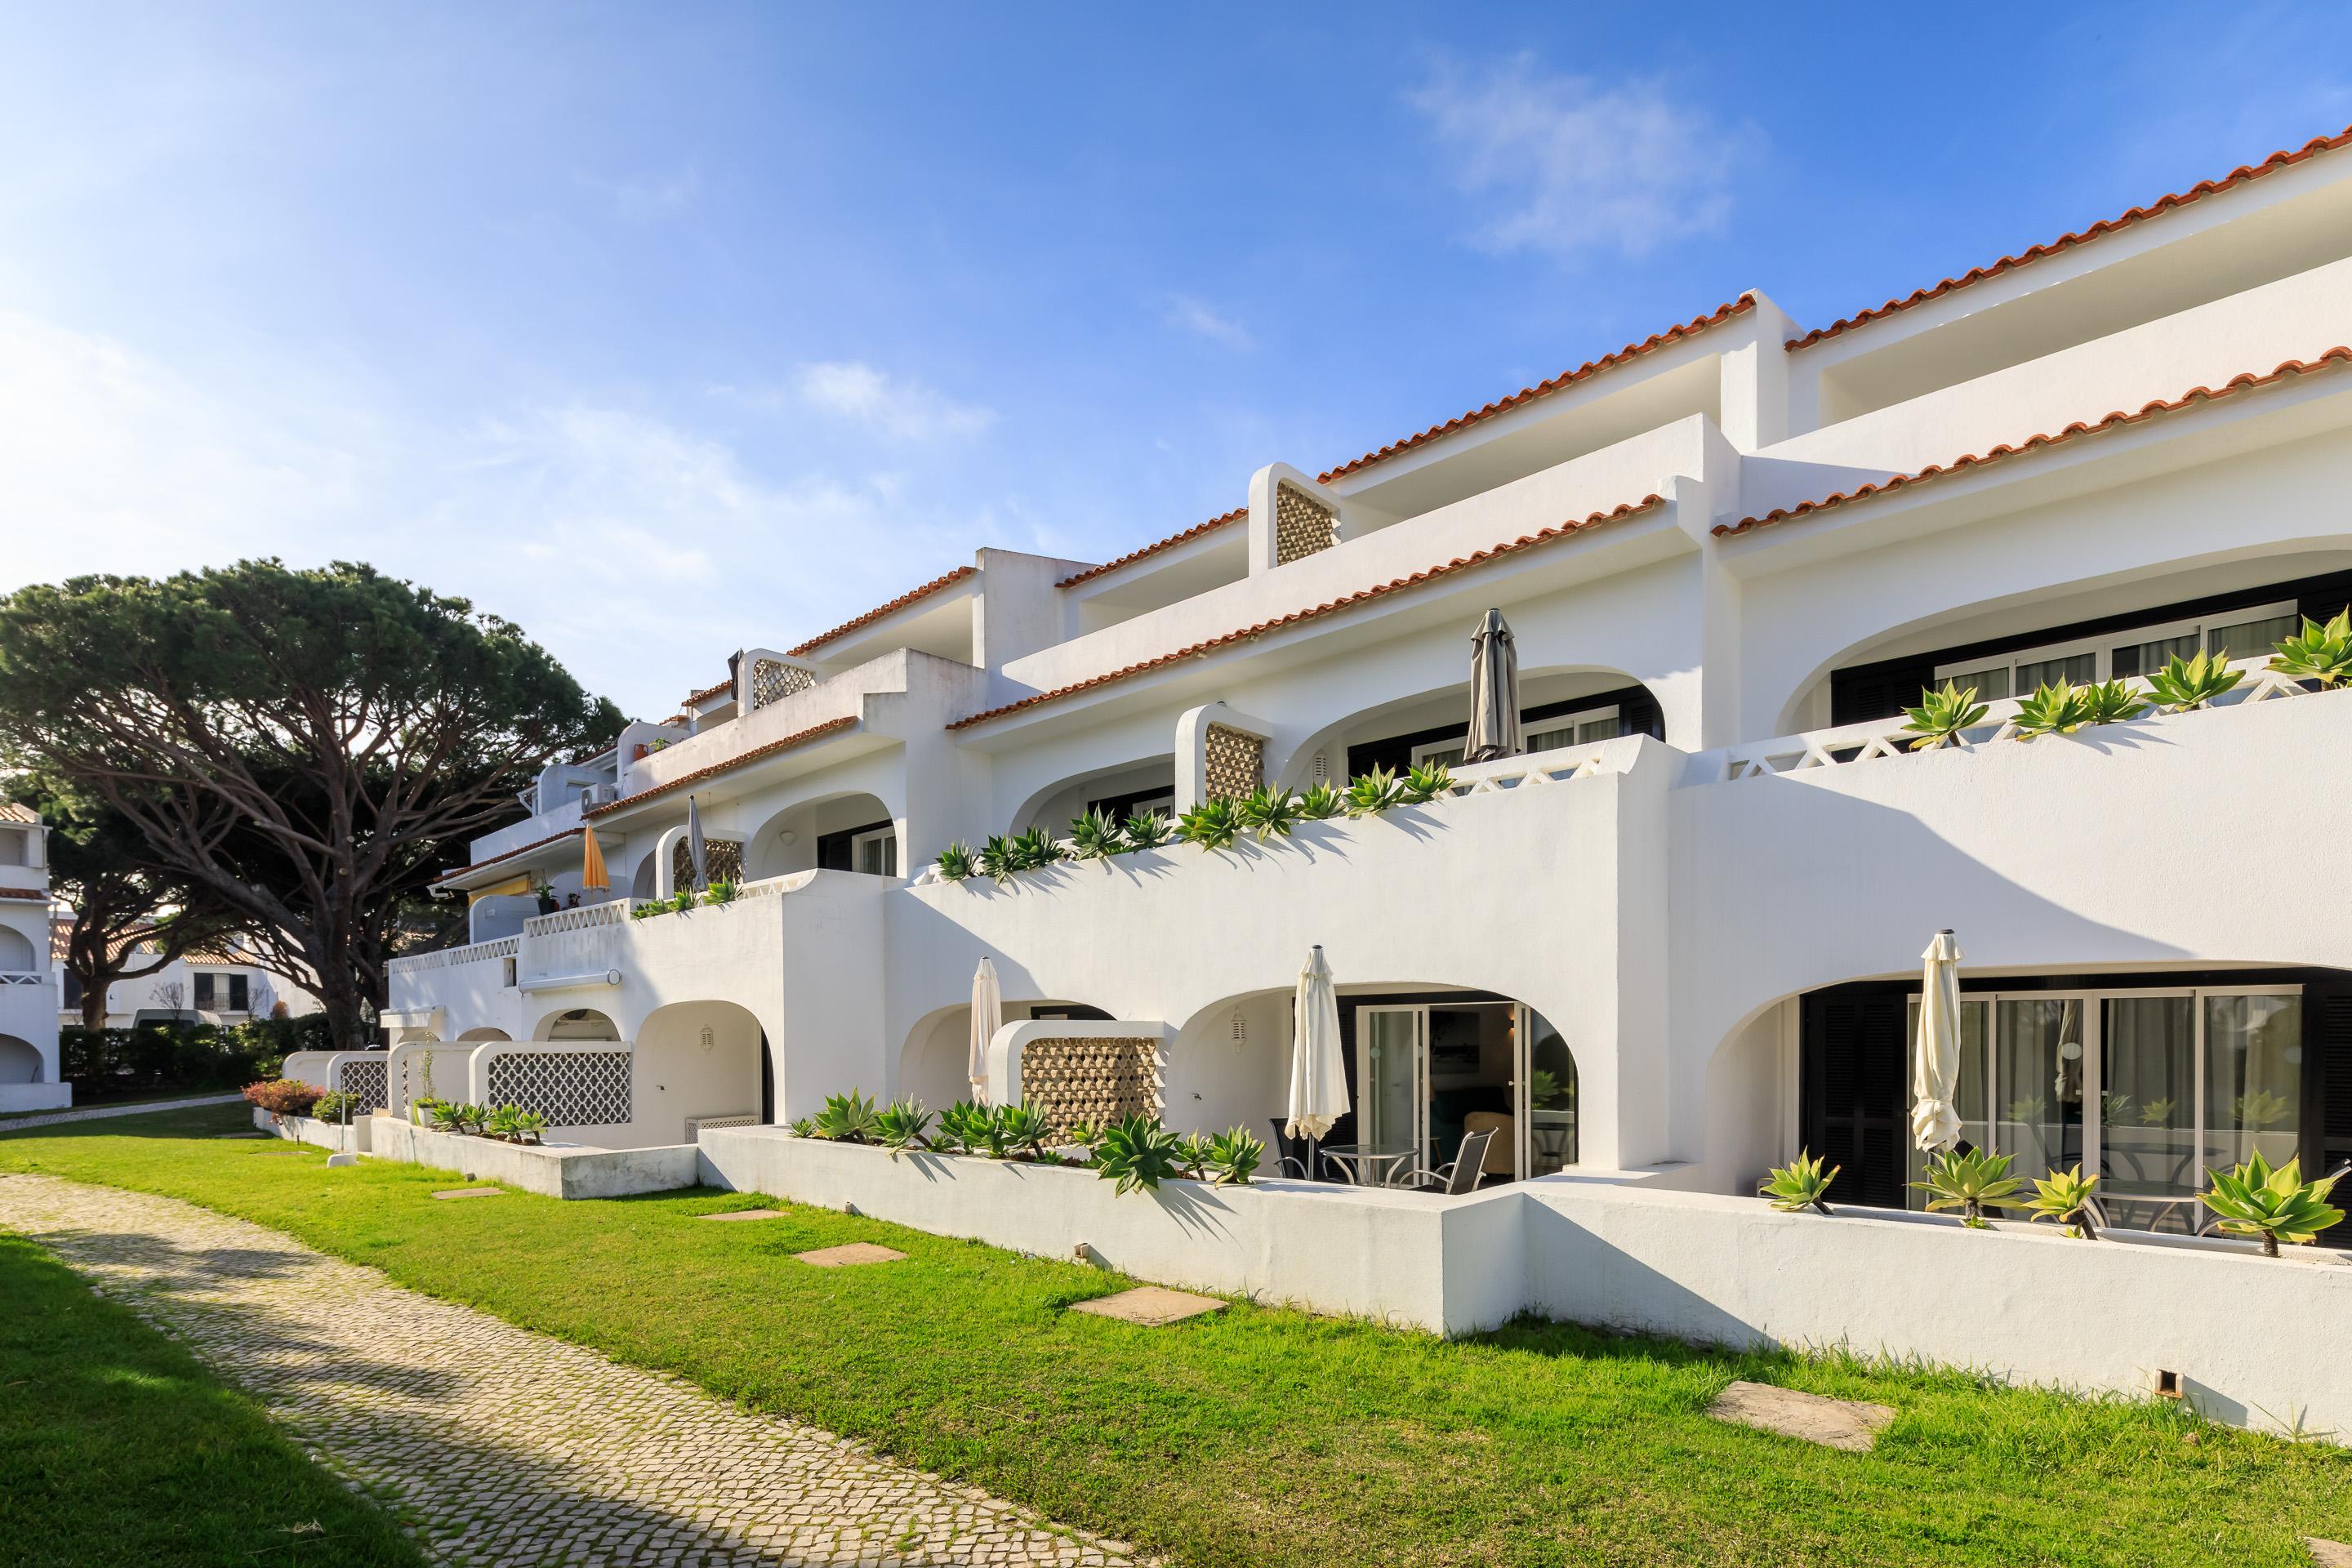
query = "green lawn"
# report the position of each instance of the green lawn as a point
(117, 1448)
(1265, 1436)
(81, 1104)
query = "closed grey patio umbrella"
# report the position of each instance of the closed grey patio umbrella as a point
(697, 852)
(1493, 693)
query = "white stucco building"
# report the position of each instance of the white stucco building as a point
(28, 982)
(1674, 942)
(221, 984)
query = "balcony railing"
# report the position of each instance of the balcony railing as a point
(444, 958)
(1876, 739)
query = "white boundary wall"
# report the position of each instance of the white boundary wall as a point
(551, 1170)
(2022, 1303)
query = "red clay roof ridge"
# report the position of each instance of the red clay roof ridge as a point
(2245, 382)
(2065, 242)
(1173, 540)
(756, 754)
(505, 854)
(893, 607)
(1330, 606)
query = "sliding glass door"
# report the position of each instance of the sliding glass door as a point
(1392, 1068)
(2145, 1090)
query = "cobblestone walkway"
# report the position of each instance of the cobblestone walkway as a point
(100, 1113)
(505, 1447)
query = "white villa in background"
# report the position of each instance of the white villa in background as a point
(1674, 942)
(28, 984)
(221, 984)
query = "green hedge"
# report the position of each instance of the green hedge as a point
(112, 1064)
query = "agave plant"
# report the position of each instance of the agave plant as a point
(721, 893)
(1268, 811)
(1801, 1185)
(957, 862)
(849, 1118)
(1942, 715)
(1147, 830)
(2183, 684)
(1425, 782)
(2275, 1205)
(901, 1126)
(1095, 836)
(448, 1116)
(1374, 792)
(1084, 1134)
(1233, 1156)
(504, 1123)
(1192, 1152)
(999, 858)
(2065, 1197)
(2056, 709)
(2112, 702)
(2319, 653)
(1024, 1129)
(1320, 802)
(962, 1128)
(1136, 1152)
(1035, 848)
(1968, 1182)
(1212, 825)
(531, 1127)
(803, 1128)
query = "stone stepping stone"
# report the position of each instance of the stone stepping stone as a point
(1845, 1424)
(2328, 1554)
(745, 1214)
(1151, 1306)
(472, 1193)
(856, 1252)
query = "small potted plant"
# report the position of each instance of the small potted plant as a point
(546, 892)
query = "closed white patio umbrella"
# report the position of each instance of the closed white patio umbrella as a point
(1318, 1073)
(1935, 1071)
(987, 1018)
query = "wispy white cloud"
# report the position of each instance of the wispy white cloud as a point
(1574, 166)
(645, 197)
(858, 394)
(1188, 314)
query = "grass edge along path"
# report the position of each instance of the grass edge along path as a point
(117, 1445)
(1265, 1436)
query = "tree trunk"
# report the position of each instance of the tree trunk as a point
(93, 1001)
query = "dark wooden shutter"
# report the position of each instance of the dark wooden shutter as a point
(2327, 1085)
(1851, 1108)
(1879, 690)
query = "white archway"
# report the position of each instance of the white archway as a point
(20, 1061)
(576, 1023)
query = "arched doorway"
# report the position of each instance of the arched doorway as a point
(704, 1060)
(20, 1062)
(848, 832)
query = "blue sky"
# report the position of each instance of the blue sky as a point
(666, 330)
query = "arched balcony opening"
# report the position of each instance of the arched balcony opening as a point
(20, 1061)
(576, 1023)
(849, 832)
(1558, 708)
(1148, 783)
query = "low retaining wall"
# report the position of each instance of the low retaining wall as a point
(2023, 1302)
(553, 1170)
(35, 1097)
(329, 1135)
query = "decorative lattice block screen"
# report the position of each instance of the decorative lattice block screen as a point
(1301, 525)
(1235, 762)
(1090, 1079)
(723, 856)
(773, 682)
(571, 1088)
(365, 1081)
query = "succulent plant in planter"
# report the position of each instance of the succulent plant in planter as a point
(721, 893)
(1801, 1185)
(1233, 1156)
(1320, 802)
(1147, 830)
(1136, 1152)
(2321, 653)
(1425, 782)
(2065, 1197)
(902, 1126)
(999, 858)
(2112, 702)
(2272, 1205)
(803, 1128)
(1374, 792)
(1943, 715)
(2056, 709)
(1095, 836)
(847, 1119)
(529, 1127)
(1192, 1153)
(957, 862)
(1035, 848)
(1968, 1182)
(1023, 1128)
(962, 1127)
(2184, 684)
(1269, 810)
(1212, 825)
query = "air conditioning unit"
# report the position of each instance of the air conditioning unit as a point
(694, 1124)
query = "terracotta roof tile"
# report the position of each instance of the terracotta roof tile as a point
(25, 895)
(707, 692)
(893, 607)
(2165, 203)
(813, 733)
(519, 849)
(1173, 540)
(1566, 378)
(11, 811)
(2327, 359)
(1330, 606)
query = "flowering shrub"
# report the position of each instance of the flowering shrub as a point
(283, 1098)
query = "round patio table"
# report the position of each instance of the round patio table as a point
(1372, 1164)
